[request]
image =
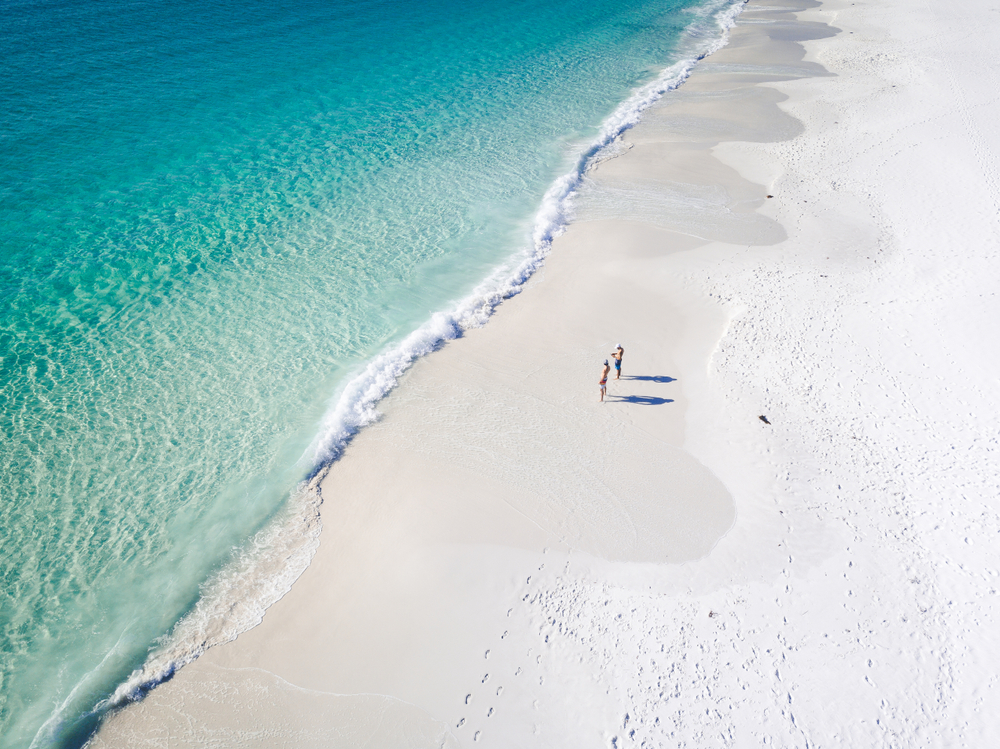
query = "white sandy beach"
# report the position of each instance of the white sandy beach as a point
(507, 562)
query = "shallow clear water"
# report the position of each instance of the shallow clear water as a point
(210, 215)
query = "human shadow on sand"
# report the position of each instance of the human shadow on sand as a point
(650, 378)
(642, 400)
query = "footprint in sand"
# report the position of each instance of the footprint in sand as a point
(486, 678)
(468, 699)
(460, 723)
(476, 737)
(499, 691)
(487, 654)
(490, 713)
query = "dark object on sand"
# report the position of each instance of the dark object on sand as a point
(770, 196)
(764, 419)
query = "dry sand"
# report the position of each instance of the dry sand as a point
(507, 562)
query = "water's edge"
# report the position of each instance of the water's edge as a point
(235, 599)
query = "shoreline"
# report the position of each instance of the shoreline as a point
(280, 552)
(506, 561)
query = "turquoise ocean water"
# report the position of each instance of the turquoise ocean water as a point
(224, 230)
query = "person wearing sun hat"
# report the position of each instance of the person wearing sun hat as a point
(617, 355)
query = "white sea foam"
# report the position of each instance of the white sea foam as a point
(354, 407)
(235, 599)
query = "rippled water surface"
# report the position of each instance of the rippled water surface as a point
(211, 213)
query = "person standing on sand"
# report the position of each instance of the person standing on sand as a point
(604, 379)
(617, 355)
